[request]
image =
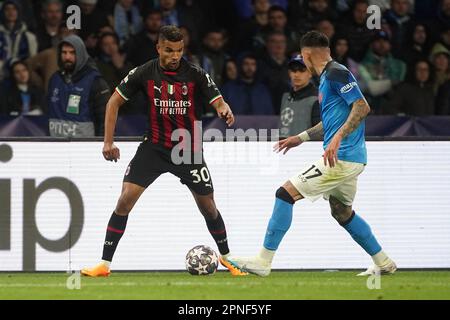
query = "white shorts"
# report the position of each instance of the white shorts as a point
(340, 182)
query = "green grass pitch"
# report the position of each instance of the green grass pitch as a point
(222, 286)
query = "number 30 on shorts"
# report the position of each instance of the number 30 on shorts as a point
(202, 175)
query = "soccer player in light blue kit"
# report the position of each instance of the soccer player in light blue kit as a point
(343, 110)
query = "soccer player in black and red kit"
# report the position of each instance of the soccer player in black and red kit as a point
(175, 90)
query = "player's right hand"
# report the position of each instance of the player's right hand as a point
(287, 144)
(111, 152)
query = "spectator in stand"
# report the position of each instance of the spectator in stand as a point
(44, 64)
(175, 14)
(400, 21)
(340, 53)
(115, 66)
(315, 11)
(354, 26)
(417, 46)
(48, 32)
(443, 100)
(77, 93)
(299, 107)
(414, 97)
(444, 40)
(247, 95)
(28, 13)
(274, 69)
(231, 71)
(249, 33)
(213, 56)
(326, 27)
(127, 20)
(442, 20)
(278, 22)
(22, 98)
(142, 47)
(245, 8)
(16, 42)
(111, 63)
(189, 48)
(93, 19)
(440, 58)
(380, 71)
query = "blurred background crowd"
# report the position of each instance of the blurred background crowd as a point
(247, 46)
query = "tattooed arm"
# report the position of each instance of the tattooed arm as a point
(360, 110)
(316, 132)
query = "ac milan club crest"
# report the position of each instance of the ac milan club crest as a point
(184, 89)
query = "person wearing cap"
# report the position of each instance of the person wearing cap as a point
(299, 107)
(77, 93)
(380, 71)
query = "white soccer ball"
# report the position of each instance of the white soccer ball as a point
(201, 260)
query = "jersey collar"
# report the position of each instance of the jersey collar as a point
(326, 67)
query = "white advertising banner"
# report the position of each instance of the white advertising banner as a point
(56, 199)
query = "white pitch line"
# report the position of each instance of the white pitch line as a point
(123, 284)
(181, 283)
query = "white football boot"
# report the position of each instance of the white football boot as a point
(389, 268)
(254, 265)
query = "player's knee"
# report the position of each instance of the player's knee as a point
(341, 213)
(209, 210)
(123, 208)
(284, 195)
(124, 205)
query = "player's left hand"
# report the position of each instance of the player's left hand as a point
(224, 112)
(330, 155)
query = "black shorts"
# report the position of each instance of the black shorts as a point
(151, 161)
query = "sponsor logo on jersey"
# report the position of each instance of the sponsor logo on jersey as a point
(172, 103)
(348, 87)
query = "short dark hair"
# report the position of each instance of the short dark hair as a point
(275, 8)
(108, 34)
(151, 12)
(171, 33)
(248, 55)
(315, 39)
(16, 62)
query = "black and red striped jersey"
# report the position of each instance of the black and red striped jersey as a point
(175, 98)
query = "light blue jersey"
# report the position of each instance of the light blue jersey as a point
(338, 91)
